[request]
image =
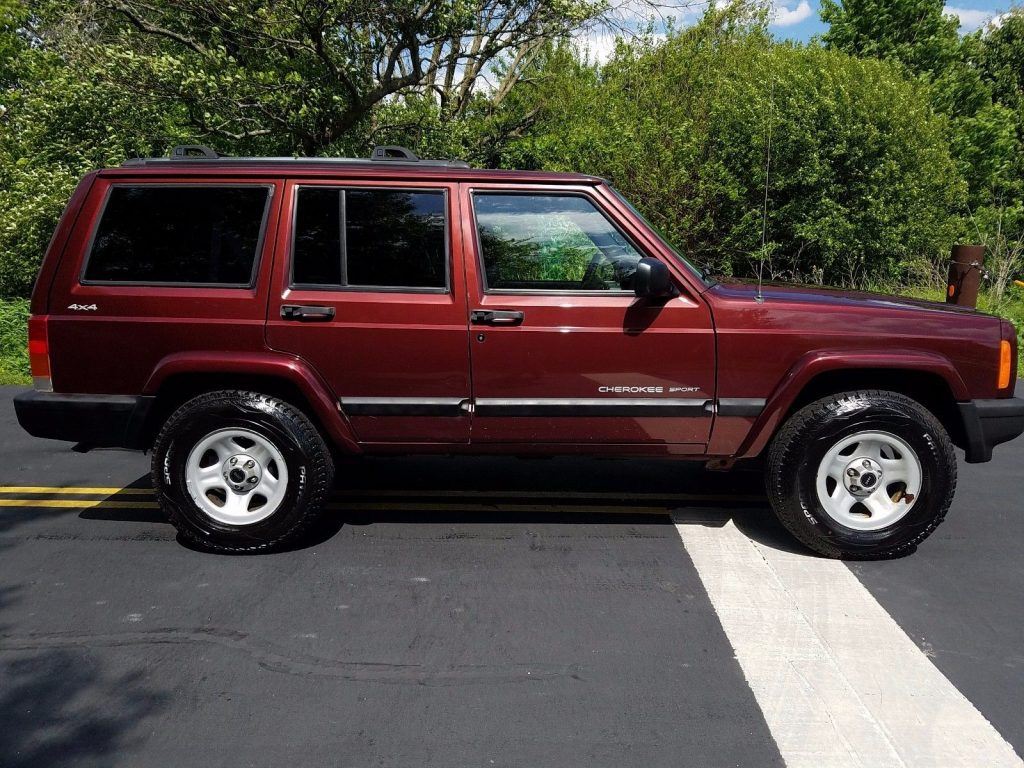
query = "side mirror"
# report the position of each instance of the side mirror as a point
(653, 281)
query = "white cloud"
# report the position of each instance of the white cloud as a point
(629, 18)
(598, 45)
(784, 16)
(970, 18)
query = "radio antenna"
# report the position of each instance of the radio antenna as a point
(767, 180)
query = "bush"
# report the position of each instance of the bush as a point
(14, 342)
(862, 189)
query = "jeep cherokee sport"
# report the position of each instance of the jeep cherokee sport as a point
(247, 320)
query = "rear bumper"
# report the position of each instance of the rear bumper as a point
(987, 423)
(100, 421)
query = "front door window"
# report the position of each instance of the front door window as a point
(551, 243)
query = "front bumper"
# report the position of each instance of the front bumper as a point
(987, 423)
(99, 421)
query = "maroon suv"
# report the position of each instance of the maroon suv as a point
(248, 320)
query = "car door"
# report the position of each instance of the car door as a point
(364, 291)
(562, 351)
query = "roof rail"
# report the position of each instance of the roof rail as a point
(394, 152)
(196, 153)
(192, 151)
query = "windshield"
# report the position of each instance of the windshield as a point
(698, 273)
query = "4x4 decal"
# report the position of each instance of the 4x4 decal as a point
(83, 307)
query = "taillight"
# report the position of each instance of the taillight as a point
(39, 353)
(1007, 356)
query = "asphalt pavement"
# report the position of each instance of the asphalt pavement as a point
(477, 611)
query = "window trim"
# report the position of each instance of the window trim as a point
(260, 240)
(343, 218)
(482, 267)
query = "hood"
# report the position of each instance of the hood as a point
(790, 293)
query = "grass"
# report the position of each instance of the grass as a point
(14, 331)
(14, 342)
(1011, 308)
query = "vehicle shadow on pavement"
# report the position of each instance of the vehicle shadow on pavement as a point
(468, 491)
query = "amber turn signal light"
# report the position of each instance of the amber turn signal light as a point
(1004, 364)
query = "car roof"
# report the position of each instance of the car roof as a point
(291, 168)
(390, 163)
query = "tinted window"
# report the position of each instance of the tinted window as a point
(551, 242)
(202, 235)
(373, 238)
(318, 237)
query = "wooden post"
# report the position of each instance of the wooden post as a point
(965, 271)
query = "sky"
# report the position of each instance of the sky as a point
(793, 19)
(798, 19)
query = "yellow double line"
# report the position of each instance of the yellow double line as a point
(47, 490)
(380, 500)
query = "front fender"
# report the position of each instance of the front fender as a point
(269, 364)
(816, 363)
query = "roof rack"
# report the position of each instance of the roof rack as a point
(196, 153)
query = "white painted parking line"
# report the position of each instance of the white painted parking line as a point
(839, 682)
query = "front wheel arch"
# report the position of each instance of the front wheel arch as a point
(928, 379)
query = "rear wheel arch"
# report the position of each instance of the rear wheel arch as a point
(178, 389)
(177, 381)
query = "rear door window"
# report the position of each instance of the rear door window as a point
(370, 239)
(179, 235)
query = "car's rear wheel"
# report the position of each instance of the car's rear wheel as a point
(241, 471)
(862, 475)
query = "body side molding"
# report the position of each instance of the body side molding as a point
(748, 407)
(557, 406)
(406, 406)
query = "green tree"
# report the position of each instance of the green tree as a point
(1000, 57)
(916, 33)
(86, 85)
(861, 186)
(58, 124)
(974, 81)
(295, 76)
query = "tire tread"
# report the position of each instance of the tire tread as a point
(316, 449)
(786, 448)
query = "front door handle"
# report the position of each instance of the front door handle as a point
(306, 312)
(496, 317)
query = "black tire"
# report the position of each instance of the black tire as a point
(308, 458)
(804, 440)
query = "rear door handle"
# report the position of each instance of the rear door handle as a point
(496, 317)
(306, 312)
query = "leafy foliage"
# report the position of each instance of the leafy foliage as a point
(915, 33)
(975, 82)
(891, 138)
(14, 341)
(861, 184)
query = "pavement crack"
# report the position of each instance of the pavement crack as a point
(285, 661)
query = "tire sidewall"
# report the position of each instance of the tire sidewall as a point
(187, 429)
(866, 414)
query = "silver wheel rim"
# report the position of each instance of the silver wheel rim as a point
(236, 476)
(869, 480)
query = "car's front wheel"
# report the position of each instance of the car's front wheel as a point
(240, 471)
(866, 474)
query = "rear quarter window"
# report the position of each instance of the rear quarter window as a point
(178, 235)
